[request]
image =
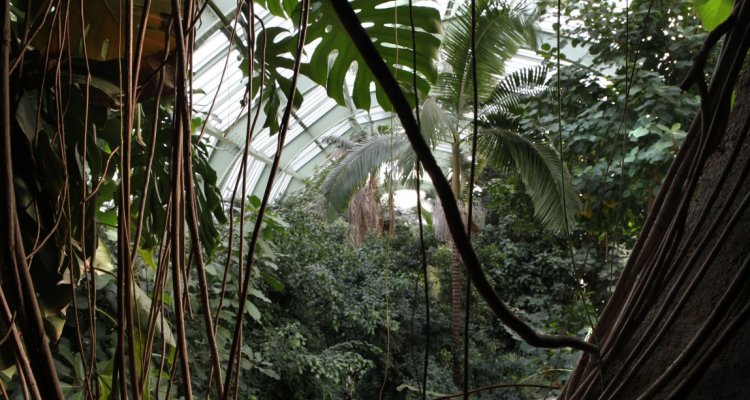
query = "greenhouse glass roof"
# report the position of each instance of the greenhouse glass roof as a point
(219, 88)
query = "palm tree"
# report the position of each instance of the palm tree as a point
(500, 30)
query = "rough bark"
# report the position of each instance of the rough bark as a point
(456, 319)
(677, 325)
(364, 213)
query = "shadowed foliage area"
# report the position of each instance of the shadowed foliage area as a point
(608, 190)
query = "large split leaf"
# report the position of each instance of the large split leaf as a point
(273, 64)
(389, 28)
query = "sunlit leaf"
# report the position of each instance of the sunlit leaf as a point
(713, 12)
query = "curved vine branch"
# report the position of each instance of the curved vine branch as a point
(498, 386)
(351, 23)
(40, 366)
(235, 351)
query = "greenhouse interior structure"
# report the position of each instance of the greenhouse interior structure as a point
(374, 199)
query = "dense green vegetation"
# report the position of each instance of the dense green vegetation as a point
(325, 328)
(329, 317)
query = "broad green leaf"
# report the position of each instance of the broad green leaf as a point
(274, 45)
(269, 373)
(9, 372)
(257, 293)
(148, 257)
(254, 201)
(105, 379)
(108, 218)
(103, 260)
(713, 12)
(389, 28)
(26, 115)
(272, 281)
(252, 310)
(143, 308)
(53, 325)
(637, 133)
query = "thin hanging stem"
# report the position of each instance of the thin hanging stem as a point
(422, 250)
(472, 171)
(351, 23)
(234, 352)
(181, 137)
(12, 252)
(125, 324)
(391, 225)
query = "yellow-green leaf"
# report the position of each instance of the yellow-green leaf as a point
(713, 12)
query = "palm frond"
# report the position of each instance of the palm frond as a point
(511, 93)
(436, 123)
(519, 86)
(340, 142)
(407, 159)
(541, 171)
(352, 171)
(500, 31)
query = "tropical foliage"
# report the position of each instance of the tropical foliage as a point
(444, 119)
(108, 192)
(623, 116)
(334, 55)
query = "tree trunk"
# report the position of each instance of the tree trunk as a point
(456, 272)
(456, 315)
(364, 213)
(677, 324)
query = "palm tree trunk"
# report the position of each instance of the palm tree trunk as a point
(456, 314)
(456, 274)
(456, 169)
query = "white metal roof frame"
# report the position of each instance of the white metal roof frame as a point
(217, 74)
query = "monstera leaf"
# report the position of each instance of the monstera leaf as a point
(388, 26)
(272, 49)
